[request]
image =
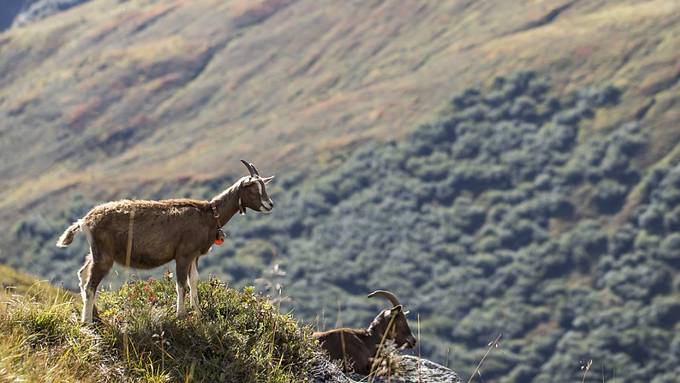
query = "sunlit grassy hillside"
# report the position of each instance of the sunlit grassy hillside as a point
(240, 338)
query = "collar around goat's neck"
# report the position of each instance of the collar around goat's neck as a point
(225, 205)
(216, 214)
(241, 208)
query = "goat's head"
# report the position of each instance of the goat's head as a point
(399, 331)
(253, 192)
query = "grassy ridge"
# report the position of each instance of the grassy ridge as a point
(14, 282)
(240, 338)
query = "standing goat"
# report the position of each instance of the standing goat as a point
(358, 347)
(148, 234)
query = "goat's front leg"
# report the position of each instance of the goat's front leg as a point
(193, 287)
(182, 272)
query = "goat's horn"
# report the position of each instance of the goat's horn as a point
(249, 166)
(254, 169)
(384, 293)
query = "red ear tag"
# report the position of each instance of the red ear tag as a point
(219, 241)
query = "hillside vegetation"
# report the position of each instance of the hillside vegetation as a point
(240, 337)
(505, 216)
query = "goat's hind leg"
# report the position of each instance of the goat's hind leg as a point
(83, 277)
(91, 274)
(98, 271)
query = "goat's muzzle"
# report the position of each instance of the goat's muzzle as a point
(266, 207)
(410, 342)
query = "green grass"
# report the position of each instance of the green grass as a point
(17, 283)
(240, 337)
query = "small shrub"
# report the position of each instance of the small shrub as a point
(609, 196)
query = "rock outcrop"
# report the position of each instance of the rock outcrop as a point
(9, 11)
(412, 369)
(34, 10)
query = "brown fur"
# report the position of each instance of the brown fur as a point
(176, 229)
(356, 348)
(162, 230)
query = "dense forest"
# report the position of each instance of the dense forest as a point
(508, 215)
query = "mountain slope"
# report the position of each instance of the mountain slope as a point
(507, 215)
(110, 95)
(536, 206)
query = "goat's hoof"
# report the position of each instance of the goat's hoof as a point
(96, 319)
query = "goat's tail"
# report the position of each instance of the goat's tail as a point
(67, 237)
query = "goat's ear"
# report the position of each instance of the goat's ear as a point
(266, 180)
(396, 309)
(246, 181)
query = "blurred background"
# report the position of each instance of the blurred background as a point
(502, 167)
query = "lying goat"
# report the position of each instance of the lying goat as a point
(147, 234)
(358, 347)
